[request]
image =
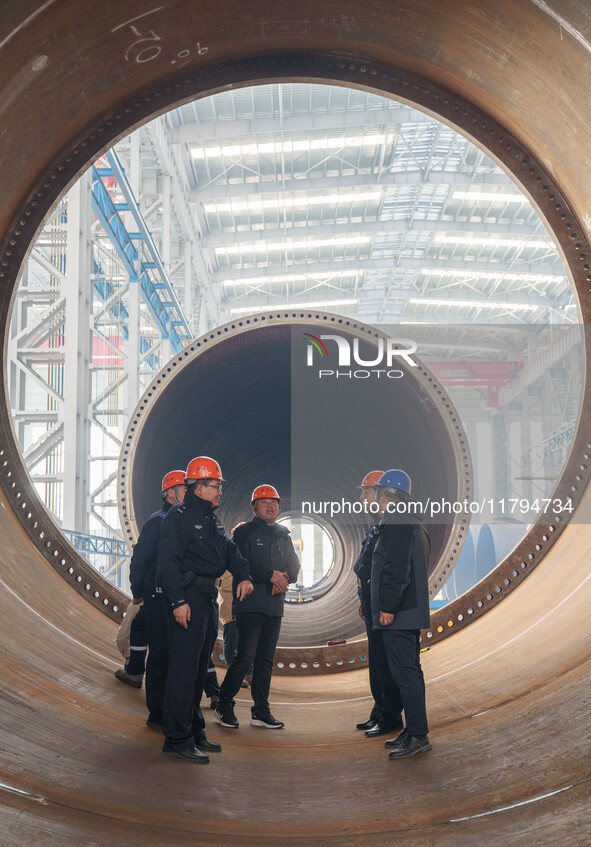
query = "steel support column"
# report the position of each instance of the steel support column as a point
(75, 408)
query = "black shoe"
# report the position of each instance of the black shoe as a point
(192, 754)
(208, 746)
(368, 724)
(410, 745)
(393, 742)
(226, 717)
(266, 720)
(154, 722)
(382, 729)
(135, 680)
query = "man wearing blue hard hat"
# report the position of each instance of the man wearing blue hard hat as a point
(400, 604)
(385, 716)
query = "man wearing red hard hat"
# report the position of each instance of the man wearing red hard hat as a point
(193, 553)
(273, 565)
(148, 629)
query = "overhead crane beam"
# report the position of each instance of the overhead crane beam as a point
(339, 121)
(237, 274)
(306, 184)
(220, 239)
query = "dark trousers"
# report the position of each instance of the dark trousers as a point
(157, 664)
(403, 650)
(257, 639)
(211, 686)
(189, 654)
(231, 644)
(138, 642)
(387, 707)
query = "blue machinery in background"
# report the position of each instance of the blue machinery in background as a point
(156, 287)
(109, 556)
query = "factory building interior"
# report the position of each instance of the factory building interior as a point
(192, 195)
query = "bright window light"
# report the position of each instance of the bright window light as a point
(319, 275)
(493, 242)
(470, 304)
(318, 304)
(462, 274)
(293, 244)
(489, 195)
(290, 146)
(258, 204)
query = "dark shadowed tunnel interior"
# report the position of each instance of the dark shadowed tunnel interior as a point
(507, 664)
(252, 401)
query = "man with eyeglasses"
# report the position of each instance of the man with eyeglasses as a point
(193, 553)
(273, 564)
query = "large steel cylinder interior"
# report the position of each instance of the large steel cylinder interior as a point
(251, 401)
(506, 665)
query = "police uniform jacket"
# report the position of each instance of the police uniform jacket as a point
(142, 568)
(399, 574)
(194, 548)
(268, 549)
(362, 567)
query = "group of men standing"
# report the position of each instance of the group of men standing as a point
(181, 554)
(392, 578)
(183, 551)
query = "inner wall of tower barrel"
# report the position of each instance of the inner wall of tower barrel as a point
(255, 404)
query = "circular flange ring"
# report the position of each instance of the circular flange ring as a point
(401, 84)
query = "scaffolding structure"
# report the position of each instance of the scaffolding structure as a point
(101, 307)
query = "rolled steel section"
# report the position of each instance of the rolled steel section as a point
(250, 395)
(38, 168)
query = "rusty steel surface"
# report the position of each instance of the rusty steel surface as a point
(508, 696)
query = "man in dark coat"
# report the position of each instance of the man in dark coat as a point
(273, 564)
(385, 716)
(193, 553)
(148, 629)
(400, 605)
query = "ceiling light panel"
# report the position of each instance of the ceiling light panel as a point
(293, 244)
(476, 241)
(470, 304)
(318, 304)
(304, 145)
(259, 205)
(489, 196)
(324, 276)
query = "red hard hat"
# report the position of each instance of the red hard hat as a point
(370, 479)
(171, 479)
(202, 467)
(264, 491)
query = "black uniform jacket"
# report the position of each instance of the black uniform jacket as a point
(194, 543)
(268, 549)
(399, 574)
(142, 568)
(362, 566)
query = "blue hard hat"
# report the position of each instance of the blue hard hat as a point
(395, 479)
